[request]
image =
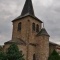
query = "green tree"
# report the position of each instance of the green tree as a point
(13, 53)
(54, 56)
(2, 55)
(1, 48)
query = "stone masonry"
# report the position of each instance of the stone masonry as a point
(34, 45)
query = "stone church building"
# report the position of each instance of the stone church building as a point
(29, 35)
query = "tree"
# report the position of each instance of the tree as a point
(54, 56)
(13, 53)
(1, 48)
(2, 55)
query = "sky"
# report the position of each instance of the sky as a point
(47, 11)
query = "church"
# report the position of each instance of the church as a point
(30, 36)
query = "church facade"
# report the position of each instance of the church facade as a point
(29, 35)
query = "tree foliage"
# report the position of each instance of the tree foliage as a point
(2, 55)
(13, 53)
(1, 48)
(54, 56)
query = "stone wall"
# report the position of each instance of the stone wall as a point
(43, 47)
(41, 50)
(26, 32)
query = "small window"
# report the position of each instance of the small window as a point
(34, 57)
(19, 26)
(37, 28)
(33, 26)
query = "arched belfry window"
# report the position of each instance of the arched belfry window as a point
(37, 28)
(19, 26)
(33, 26)
(34, 57)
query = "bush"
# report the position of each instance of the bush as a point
(54, 56)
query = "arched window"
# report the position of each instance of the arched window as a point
(33, 26)
(19, 26)
(37, 28)
(34, 57)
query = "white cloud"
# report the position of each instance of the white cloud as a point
(47, 10)
(9, 8)
(3, 39)
(46, 3)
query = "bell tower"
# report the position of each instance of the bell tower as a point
(26, 24)
(25, 27)
(29, 35)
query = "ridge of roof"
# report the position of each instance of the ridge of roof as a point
(20, 17)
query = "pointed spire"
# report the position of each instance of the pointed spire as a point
(27, 11)
(43, 32)
(28, 8)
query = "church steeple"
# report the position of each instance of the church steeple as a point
(27, 11)
(28, 8)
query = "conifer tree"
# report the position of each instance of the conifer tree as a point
(13, 53)
(54, 56)
(2, 55)
(1, 48)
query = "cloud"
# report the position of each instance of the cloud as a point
(51, 17)
(46, 3)
(46, 10)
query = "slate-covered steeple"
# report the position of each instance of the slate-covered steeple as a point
(27, 11)
(28, 8)
(43, 32)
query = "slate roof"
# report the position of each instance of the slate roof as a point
(43, 32)
(17, 41)
(21, 17)
(27, 11)
(52, 43)
(28, 8)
